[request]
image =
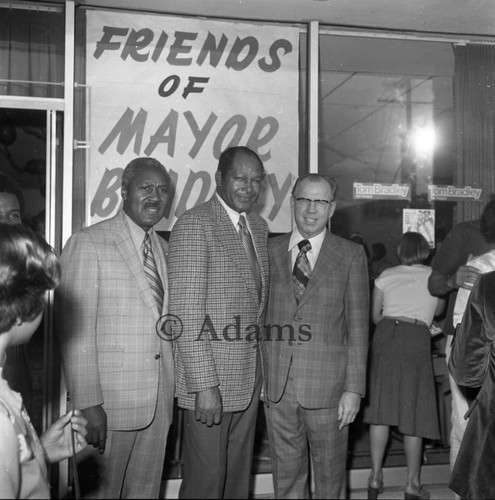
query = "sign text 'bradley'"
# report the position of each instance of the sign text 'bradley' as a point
(107, 200)
(381, 191)
(144, 45)
(451, 193)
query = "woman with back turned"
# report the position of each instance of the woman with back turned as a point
(401, 384)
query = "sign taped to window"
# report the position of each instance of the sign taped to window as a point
(182, 90)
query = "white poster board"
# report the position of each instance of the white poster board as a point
(182, 90)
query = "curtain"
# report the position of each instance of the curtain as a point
(31, 50)
(474, 104)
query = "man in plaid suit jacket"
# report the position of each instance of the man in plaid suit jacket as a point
(118, 370)
(214, 294)
(317, 347)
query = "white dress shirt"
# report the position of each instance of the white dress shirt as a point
(316, 243)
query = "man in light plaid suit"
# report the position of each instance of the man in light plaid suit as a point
(220, 301)
(118, 370)
(317, 337)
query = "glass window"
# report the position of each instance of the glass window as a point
(386, 117)
(32, 51)
(23, 138)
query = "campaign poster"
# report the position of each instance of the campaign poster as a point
(381, 191)
(182, 90)
(454, 193)
(420, 221)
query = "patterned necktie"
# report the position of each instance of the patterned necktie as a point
(247, 243)
(302, 269)
(152, 272)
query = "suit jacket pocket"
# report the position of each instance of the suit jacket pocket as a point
(110, 357)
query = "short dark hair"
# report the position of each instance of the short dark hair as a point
(227, 158)
(487, 222)
(28, 268)
(378, 250)
(334, 187)
(413, 249)
(9, 185)
(137, 164)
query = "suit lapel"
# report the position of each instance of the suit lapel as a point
(160, 252)
(125, 246)
(282, 259)
(227, 234)
(259, 237)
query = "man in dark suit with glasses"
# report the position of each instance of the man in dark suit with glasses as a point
(317, 334)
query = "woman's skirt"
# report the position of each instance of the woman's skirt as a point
(401, 385)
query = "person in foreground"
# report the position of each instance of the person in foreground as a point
(401, 384)
(28, 268)
(17, 370)
(456, 266)
(119, 371)
(317, 336)
(472, 364)
(218, 270)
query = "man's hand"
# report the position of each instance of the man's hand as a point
(465, 277)
(348, 408)
(97, 427)
(209, 406)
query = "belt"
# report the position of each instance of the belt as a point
(403, 319)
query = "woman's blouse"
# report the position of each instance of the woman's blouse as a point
(23, 472)
(405, 292)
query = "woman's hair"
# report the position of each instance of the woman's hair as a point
(28, 268)
(413, 249)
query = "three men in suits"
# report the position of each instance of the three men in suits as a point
(317, 337)
(218, 291)
(118, 370)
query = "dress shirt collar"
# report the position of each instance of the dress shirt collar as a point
(316, 244)
(233, 215)
(137, 233)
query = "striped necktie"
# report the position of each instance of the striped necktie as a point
(247, 243)
(302, 269)
(152, 272)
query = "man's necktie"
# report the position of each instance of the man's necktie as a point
(152, 272)
(302, 269)
(247, 243)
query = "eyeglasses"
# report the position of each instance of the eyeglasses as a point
(305, 202)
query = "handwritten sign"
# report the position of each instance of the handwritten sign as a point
(182, 90)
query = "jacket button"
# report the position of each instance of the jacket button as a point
(157, 356)
(296, 318)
